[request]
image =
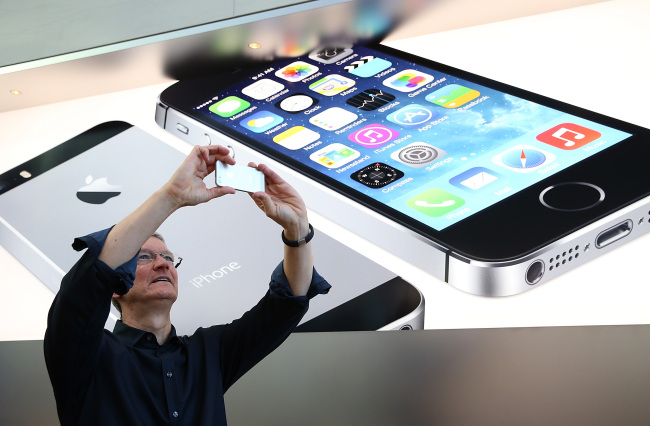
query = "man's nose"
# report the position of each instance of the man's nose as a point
(159, 261)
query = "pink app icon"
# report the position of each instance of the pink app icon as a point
(373, 135)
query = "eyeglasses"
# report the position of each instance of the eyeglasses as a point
(147, 256)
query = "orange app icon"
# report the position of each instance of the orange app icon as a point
(568, 136)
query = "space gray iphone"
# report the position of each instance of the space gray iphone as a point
(489, 187)
(95, 179)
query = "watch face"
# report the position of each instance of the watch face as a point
(296, 103)
(377, 175)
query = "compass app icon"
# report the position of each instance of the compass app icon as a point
(412, 115)
(523, 158)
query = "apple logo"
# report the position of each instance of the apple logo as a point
(98, 191)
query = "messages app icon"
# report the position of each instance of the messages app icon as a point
(435, 202)
(229, 106)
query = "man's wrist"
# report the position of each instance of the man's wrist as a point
(291, 240)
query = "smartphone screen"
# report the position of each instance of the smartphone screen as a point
(423, 142)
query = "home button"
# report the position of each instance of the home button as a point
(571, 196)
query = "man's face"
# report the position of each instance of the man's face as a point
(156, 281)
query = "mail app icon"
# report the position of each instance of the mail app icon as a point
(474, 178)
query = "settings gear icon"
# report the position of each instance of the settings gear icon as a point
(418, 154)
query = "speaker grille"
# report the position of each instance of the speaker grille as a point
(563, 258)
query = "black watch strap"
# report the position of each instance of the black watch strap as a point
(301, 242)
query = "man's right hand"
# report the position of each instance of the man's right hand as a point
(187, 188)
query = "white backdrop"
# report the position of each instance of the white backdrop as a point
(594, 56)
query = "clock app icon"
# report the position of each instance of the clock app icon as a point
(296, 103)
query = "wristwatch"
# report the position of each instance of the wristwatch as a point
(300, 242)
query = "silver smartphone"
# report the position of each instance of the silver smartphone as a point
(228, 266)
(239, 177)
(491, 188)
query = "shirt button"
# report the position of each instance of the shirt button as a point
(169, 374)
(175, 414)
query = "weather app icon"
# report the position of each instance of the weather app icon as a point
(296, 71)
(261, 121)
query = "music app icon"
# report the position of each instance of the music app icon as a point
(373, 135)
(568, 136)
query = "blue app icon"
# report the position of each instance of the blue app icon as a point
(261, 121)
(412, 115)
(475, 178)
(368, 66)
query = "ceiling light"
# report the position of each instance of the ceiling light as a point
(254, 45)
(16, 92)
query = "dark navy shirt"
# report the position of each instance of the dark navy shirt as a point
(126, 377)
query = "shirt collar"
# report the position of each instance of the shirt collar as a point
(130, 335)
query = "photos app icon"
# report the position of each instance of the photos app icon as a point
(296, 71)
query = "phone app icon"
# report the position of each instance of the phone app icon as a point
(373, 135)
(412, 115)
(418, 154)
(334, 155)
(331, 85)
(261, 121)
(452, 96)
(435, 202)
(333, 118)
(370, 99)
(296, 103)
(296, 71)
(262, 89)
(523, 158)
(475, 178)
(227, 107)
(296, 137)
(377, 175)
(568, 136)
(367, 66)
(330, 54)
(408, 80)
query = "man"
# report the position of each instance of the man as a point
(143, 373)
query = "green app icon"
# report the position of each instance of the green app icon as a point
(229, 106)
(435, 202)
